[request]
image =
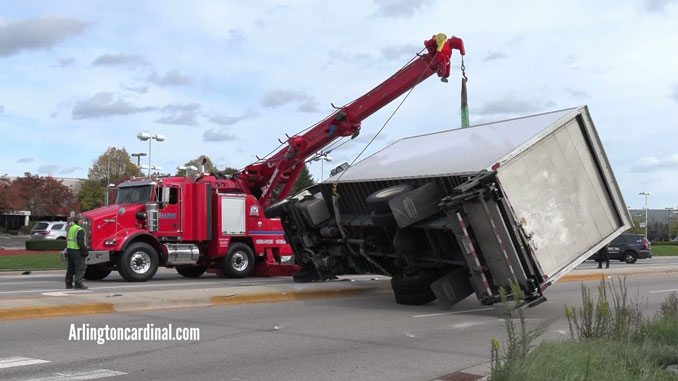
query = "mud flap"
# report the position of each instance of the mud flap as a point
(453, 287)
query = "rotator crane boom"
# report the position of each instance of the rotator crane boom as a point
(283, 168)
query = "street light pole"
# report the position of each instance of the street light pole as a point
(143, 136)
(323, 157)
(108, 171)
(668, 224)
(646, 222)
(138, 156)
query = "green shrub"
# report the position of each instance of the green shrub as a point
(669, 307)
(46, 244)
(621, 318)
(664, 243)
(611, 341)
(13, 232)
(25, 229)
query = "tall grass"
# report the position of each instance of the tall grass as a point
(610, 339)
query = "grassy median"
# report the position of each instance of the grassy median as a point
(610, 339)
(31, 261)
(662, 251)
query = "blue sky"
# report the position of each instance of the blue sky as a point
(228, 78)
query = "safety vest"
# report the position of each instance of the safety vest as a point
(73, 237)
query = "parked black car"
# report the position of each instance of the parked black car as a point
(628, 248)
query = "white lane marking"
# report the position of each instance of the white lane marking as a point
(454, 313)
(77, 376)
(10, 362)
(466, 324)
(65, 293)
(134, 286)
(28, 281)
(669, 290)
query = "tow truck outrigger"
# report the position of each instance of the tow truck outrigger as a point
(215, 222)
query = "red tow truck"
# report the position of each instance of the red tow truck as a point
(216, 222)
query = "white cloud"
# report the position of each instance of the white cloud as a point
(64, 62)
(218, 135)
(510, 105)
(652, 164)
(399, 53)
(25, 160)
(172, 78)
(130, 61)
(277, 98)
(69, 170)
(399, 8)
(657, 6)
(105, 104)
(48, 169)
(579, 94)
(227, 120)
(184, 114)
(36, 33)
(493, 56)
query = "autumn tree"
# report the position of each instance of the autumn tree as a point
(112, 167)
(42, 196)
(9, 197)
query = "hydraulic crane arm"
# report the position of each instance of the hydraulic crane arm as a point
(283, 168)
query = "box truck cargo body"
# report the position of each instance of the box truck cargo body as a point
(464, 211)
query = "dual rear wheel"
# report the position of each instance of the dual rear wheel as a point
(139, 263)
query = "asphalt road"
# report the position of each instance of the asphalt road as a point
(39, 283)
(14, 285)
(13, 241)
(362, 338)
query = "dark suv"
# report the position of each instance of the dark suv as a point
(628, 248)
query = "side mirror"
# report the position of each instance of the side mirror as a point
(165, 197)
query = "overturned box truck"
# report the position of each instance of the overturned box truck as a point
(464, 211)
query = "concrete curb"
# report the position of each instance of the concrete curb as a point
(141, 303)
(53, 311)
(598, 275)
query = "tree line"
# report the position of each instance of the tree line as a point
(47, 196)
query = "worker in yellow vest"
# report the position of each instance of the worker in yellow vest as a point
(76, 248)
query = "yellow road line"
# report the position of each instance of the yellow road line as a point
(52, 311)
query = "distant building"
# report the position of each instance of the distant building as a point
(654, 215)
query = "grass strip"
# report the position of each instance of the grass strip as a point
(660, 251)
(601, 359)
(31, 262)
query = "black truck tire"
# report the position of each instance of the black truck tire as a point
(416, 299)
(413, 284)
(239, 262)
(95, 272)
(378, 201)
(191, 271)
(138, 263)
(383, 220)
(304, 276)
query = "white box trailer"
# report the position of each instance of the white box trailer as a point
(469, 210)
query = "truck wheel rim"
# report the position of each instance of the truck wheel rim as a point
(140, 262)
(239, 261)
(389, 192)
